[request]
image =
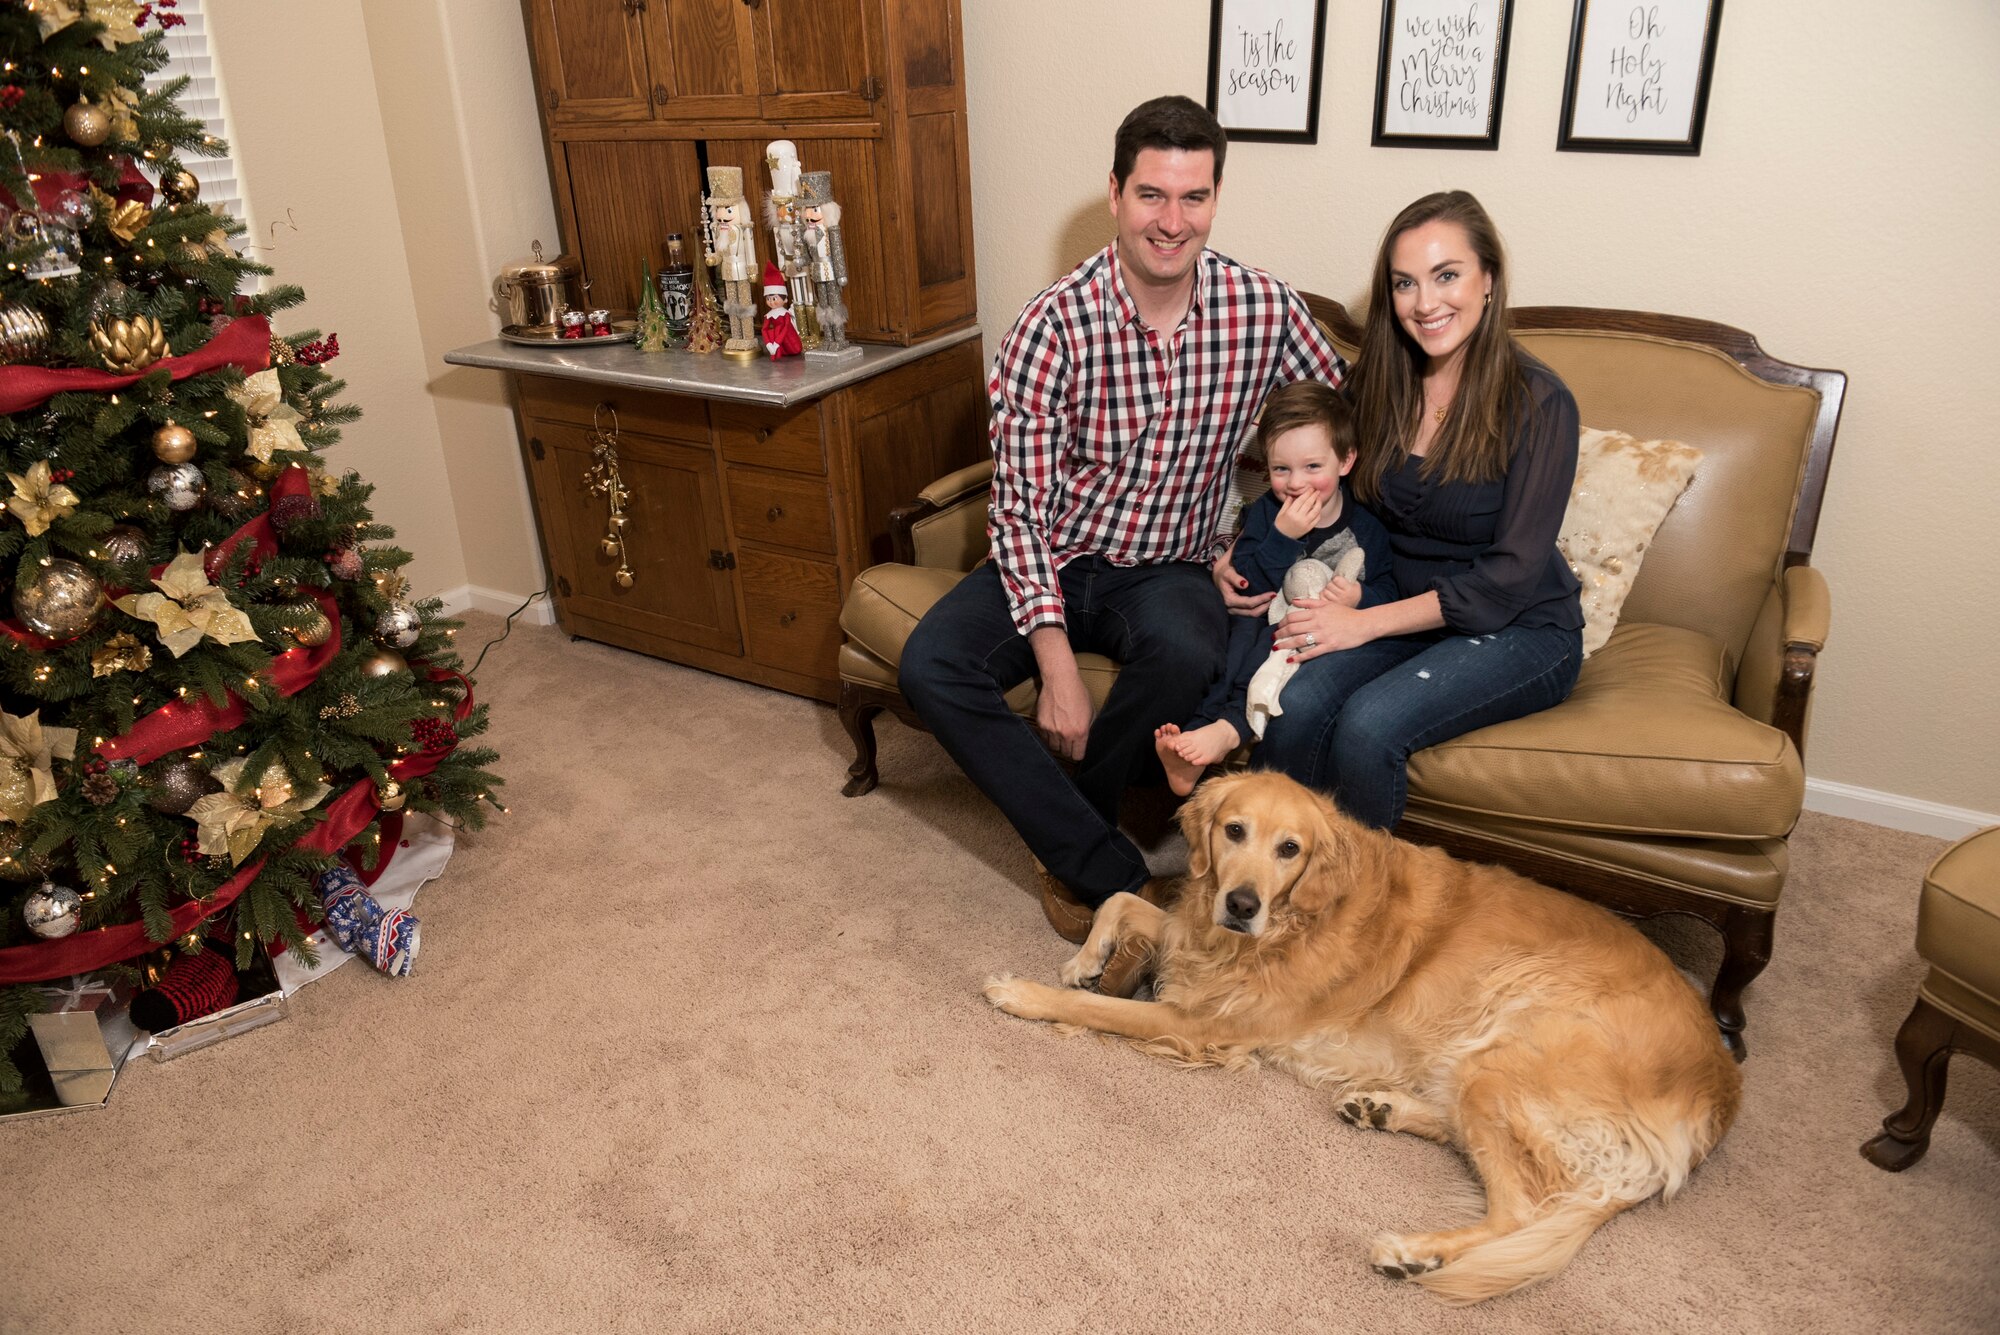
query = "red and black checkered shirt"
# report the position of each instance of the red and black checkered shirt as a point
(1112, 439)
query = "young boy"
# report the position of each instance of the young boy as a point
(1308, 438)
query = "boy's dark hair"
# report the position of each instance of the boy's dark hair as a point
(1306, 403)
(1167, 122)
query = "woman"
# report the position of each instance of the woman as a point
(1468, 449)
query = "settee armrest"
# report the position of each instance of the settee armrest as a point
(946, 527)
(1774, 683)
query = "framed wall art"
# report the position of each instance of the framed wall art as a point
(1264, 59)
(1638, 76)
(1441, 73)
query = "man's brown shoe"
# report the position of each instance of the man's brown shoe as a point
(1162, 892)
(1066, 913)
(1130, 965)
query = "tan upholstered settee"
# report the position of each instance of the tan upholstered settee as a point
(1671, 778)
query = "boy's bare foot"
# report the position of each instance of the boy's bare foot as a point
(1185, 755)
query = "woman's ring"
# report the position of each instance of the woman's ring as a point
(1312, 642)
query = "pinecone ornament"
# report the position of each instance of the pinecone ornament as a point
(129, 343)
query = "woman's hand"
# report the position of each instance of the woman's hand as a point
(1231, 586)
(1317, 626)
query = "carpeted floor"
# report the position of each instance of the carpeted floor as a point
(695, 1044)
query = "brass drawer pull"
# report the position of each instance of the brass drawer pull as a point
(788, 618)
(775, 513)
(763, 434)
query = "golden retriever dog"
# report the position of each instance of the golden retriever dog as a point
(1548, 1040)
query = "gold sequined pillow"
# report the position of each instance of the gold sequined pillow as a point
(1624, 488)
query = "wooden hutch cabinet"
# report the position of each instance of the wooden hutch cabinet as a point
(638, 96)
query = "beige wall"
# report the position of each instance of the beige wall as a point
(324, 214)
(1843, 210)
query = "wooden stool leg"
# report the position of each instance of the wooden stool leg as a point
(857, 715)
(1923, 1050)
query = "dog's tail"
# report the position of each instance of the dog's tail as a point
(1528, 1254)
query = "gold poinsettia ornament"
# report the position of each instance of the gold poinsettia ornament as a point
(28, 752)
(121, 653)
(187, 608)
(123, 218)
(38, 500)
(234, 822)
(273, 422)
(119, 17)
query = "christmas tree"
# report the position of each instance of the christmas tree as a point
(213, 683)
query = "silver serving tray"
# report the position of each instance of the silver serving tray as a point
(622, 331)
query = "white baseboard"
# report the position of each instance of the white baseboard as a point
(1895, 811)
(477, 598)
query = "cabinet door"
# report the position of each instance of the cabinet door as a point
(625, 196)
(703, 55)
(590, 61)
(817, 58)
(675, 528)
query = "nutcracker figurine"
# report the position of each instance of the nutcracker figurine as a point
(781, 336)
(826, 262)
(733, 254)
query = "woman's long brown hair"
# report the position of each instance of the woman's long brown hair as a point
(1474, 443)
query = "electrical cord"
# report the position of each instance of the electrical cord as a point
(539, 593)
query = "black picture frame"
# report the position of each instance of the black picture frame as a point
(1226, 55)
(1390, 71)
(1580, 82)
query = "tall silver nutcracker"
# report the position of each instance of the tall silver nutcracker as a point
(826, 262)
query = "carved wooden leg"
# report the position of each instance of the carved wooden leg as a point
(857, 715)
(1746, 949)
(1923, 1050)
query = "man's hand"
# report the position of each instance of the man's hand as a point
(1299, 515)
(1231, 586)
(1062, 714)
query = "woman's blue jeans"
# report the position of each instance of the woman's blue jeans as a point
(1353, 718)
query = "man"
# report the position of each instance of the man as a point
(1120, 399)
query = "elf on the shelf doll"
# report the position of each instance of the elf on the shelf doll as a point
(781, 336)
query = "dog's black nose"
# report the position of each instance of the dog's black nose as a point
(1242, 904)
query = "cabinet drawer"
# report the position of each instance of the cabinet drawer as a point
(577, 401)
(771, 437)
(785, 511)
(792, 608)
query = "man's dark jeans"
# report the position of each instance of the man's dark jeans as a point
(1163, 624)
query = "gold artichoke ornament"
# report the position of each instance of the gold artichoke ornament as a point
(129, 344)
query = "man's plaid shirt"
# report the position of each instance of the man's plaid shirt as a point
(1111, 439)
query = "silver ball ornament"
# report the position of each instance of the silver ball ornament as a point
(123, 544)
(52, 910)
(399, 627)
(180, 485)
(62, 602)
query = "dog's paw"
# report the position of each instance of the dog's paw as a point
(1084, 968)
(1017, 996)
(1398, 1258)
(1368, 1111)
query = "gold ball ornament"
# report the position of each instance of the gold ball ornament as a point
(180, 186)
(173, 444)
(383, 663)
(61, 602)
(86, 125)
(129, 344)
(308, 624)
(24, 334)
(391, 795)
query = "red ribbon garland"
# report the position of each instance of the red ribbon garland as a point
(243, 342)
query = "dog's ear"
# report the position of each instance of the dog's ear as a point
(1197, 817)
(1318, 887)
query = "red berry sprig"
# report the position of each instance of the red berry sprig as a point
(62, 474)
(190, 849)
(11, 95)
(320, 351)
(433, 734)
